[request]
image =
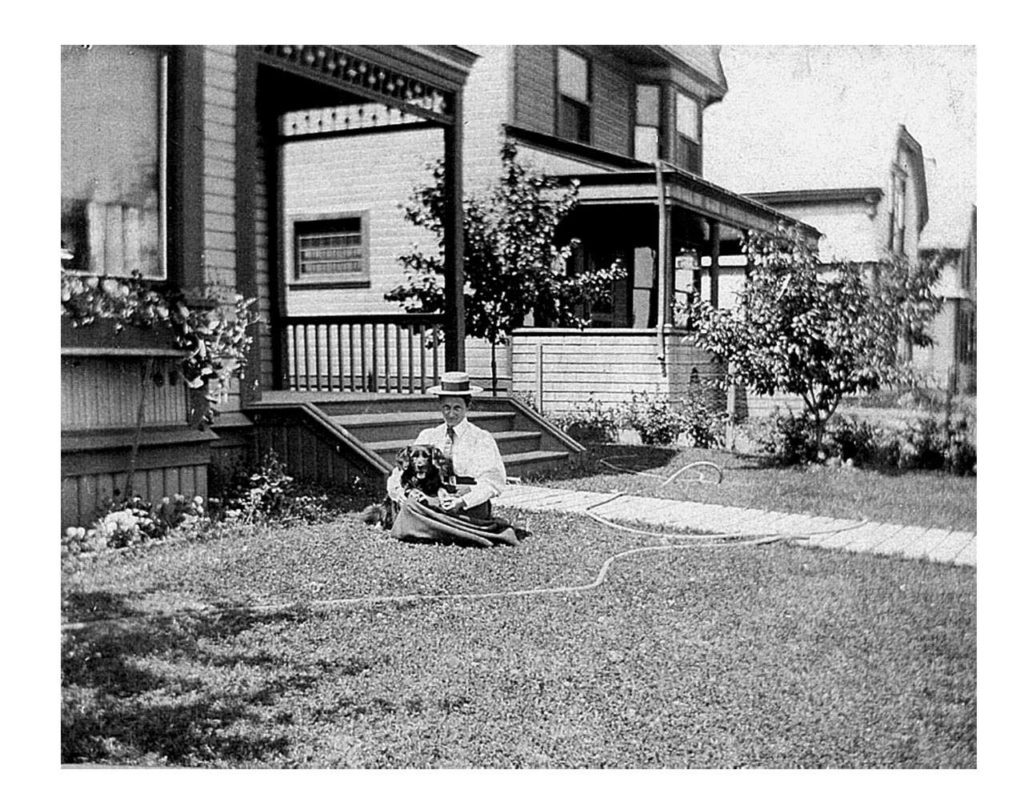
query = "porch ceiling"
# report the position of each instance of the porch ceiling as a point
(682, 190)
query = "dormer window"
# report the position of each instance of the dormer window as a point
(687, 133)
(573, 96)
(648, 122)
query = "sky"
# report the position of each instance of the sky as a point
(825, 116)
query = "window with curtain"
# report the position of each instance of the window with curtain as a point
(648, 122)
(113, 159)
(573, 96)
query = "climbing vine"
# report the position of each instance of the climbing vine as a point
(213, 336)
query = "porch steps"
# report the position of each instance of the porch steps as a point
(379, 425)
(509, 443)
(387, 433)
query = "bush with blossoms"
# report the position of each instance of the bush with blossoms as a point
(134, 521)
(264, 495)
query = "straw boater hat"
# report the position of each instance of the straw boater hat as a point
(455, 382)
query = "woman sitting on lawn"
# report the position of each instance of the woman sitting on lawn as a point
(465, 517)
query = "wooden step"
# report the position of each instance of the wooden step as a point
(529, 463)
(407, 425)
(509, 442)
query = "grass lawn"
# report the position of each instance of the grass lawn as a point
(714, 657)
(919, 498)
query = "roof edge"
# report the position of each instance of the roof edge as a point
(905, 139)
(830, 195)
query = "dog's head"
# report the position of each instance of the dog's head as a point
(424, 467)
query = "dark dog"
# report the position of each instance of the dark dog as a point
(424, 468)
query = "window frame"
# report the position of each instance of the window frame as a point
(165, 76)
(328, 280)
(638, 125)
(697, 144)
(583, 108)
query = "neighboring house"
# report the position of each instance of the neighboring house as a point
(170, 167)
(626, 123)
(952, 359)
(867, 220)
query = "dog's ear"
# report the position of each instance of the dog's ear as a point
(403, 458)
(441, 463)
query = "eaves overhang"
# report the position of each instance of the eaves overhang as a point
(869, 195)
(684, 190)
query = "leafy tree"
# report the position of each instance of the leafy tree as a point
(822, 332)
(513, 262)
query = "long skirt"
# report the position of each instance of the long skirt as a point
(473, 527)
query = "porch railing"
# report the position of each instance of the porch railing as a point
(363, 353)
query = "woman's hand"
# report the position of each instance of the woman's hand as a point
(453, 504)
(416, 495)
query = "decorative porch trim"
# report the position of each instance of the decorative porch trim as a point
(366, 74)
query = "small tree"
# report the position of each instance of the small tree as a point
(513, 263)
(820, 332)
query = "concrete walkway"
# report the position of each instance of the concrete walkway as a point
(915, 542)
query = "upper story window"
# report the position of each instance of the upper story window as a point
(332, 249)
(113, 211)
(898, 215)
(573, 96)
(687, 133)
(646, 131)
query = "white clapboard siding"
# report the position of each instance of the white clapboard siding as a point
(606, 365)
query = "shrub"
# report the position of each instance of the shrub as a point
(849, 439)
(921, 445)
(701, 420)
(268, 494)
(265, 495)
(924, 443)
(590, 422)
(788, 438)
(133, 521)
(653, 419)
(960, 453)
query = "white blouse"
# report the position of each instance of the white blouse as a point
(474, 453)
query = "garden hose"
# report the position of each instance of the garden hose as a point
(698, 464)
(710, 540)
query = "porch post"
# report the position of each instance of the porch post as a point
(454, 301)
(245, 215)
(716, 249)
(187, 142)
(668, 299)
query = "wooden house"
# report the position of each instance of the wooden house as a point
(625, 122)
(882, 210)
(172, 162)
